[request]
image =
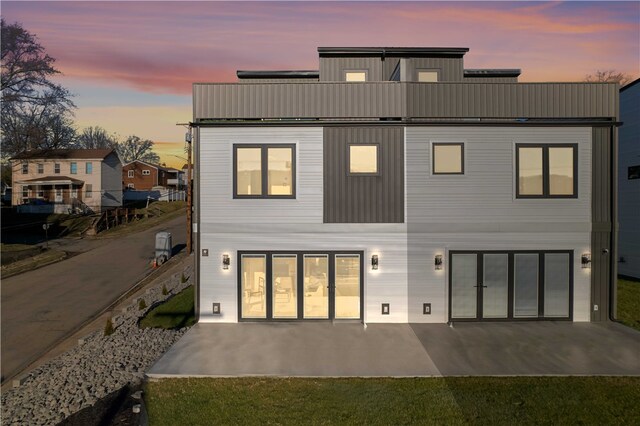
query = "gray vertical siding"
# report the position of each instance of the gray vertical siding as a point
(449, 69)
(602, 224)
(332, 69)
(363, 199)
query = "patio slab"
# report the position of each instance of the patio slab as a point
(402, 350)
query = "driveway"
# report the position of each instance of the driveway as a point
(41, 307)
(399, 350)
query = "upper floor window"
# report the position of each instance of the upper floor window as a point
(146, 172)
(56, 168)
(633, 172)
(129, 173)
(88, 168)
(355, 75)
(363, 159)
(25, 168)
(88, 191)
(546, 171)
(40, 168)
(427, 76)
(448, 158)
(73, 168)
(264, 171)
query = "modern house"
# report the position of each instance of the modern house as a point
(64, 180)
(143, 176)
(394, 185)
(629, 182)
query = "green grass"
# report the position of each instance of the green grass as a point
(158, 212)
(629, 303)
(176, 312)
(388, 401)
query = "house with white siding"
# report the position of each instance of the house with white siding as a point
(394, 185)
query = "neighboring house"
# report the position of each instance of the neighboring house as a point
(629, 181)
(6, 193)
(143, 176)
(393, 185)
(62, 180)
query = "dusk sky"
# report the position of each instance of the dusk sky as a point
(131, 64)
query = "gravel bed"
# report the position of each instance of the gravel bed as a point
(96, 368)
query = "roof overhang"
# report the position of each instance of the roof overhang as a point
(310, 74)
(513, 72)
(393, 51)
(52, 181)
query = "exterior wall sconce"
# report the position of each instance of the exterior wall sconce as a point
(225, 261)
(586, 260)
(438, 262)
(374, 262)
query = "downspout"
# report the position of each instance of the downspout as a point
(613, 258)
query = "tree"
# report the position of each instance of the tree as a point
(133, 148)
(96, 138)
(35, 110)
(608, 76)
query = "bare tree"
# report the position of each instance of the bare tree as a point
(35, 110)
(96, 138)
(133, 148)
(608, 76)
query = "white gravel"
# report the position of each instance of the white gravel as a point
(94, 369)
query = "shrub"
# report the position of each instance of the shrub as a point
(164, 290)
(183, 279)
(108, 328)
(142, 304)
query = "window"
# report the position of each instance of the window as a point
(363, 159)
(130, 185)
(56, 168)
(74, 192)
(448, 158)
(25, 168)
(633, 172)
(546, 171)
(40, 168)
(74, 168)
(264, 171)
(146, 172)
(88, 168)
(25, 191)
(358, 75)
(427, 76)
(88, 191)
(130, 174)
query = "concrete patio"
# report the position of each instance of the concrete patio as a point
(319, 349)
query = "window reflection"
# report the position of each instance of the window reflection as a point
(561, 171)
(249, 171)
(280, 171)
(530, 171)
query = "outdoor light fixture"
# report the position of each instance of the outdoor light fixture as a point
(586, 260)
(374, 262)
(225, 261)
(438, 262)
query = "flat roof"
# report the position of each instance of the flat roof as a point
(392, 51)
(278, 74)
(492, 72)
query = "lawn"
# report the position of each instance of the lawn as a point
(176, 312)
(377, 401)
(629, 303)
(156, 213)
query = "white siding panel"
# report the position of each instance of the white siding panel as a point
(486, 192)
(386, 285)
(216, 176)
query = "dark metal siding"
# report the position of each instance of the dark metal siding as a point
(364, 199)
(450, 69)
(490, 79)
(388, 66)
(601, 223)
(394, 99)
(332, 69)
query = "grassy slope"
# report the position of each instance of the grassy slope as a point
(461, 400)
(629, 303)
(177, 312)
(159, 212)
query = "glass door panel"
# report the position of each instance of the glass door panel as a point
(347, 281)
(315, 285)
(556, 285)
(495, 290)
(253, 286)
(525, 285)
(464, 281)
(284, 278)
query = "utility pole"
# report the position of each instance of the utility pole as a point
(187, 139)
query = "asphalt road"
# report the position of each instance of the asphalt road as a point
(40, 307)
